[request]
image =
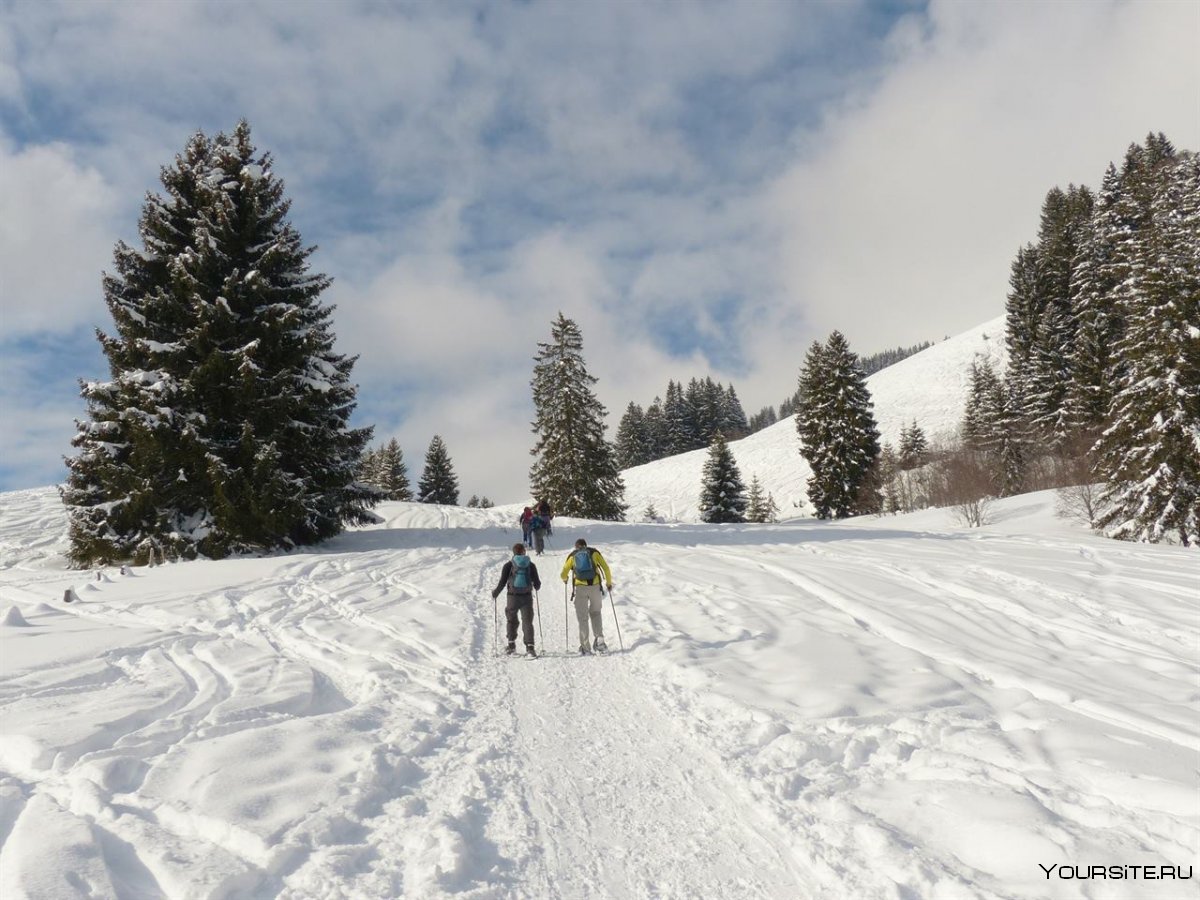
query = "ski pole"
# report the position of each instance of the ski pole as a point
(566, 622)
(495, 628)
(615, 622)
(537, 604)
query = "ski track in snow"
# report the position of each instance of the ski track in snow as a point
(881, 709)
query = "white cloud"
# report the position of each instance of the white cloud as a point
(56, 222)
(901, 220)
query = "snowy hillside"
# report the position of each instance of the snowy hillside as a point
(889, 709)
(930, 387)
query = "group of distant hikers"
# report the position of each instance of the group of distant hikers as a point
(583, 567)
(536, 526)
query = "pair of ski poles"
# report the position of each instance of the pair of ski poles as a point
(567, 617)
(568, 596)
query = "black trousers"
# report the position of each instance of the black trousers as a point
(522, 604)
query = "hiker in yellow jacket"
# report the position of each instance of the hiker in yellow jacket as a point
(587, 564)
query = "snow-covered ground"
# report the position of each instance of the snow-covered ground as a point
(930, 388)
(886, 708)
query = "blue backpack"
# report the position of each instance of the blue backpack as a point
(585, 568)
(519, 580)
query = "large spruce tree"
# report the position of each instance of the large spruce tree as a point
(838, 435)
(722, 492)
(1150, 453)
(223, 424)
(438, 482)
(576, 468)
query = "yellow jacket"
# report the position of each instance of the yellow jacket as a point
(597, 561)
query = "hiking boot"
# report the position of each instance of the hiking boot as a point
(585, 650)
(512, 648)
(600, 646)
(529, 651)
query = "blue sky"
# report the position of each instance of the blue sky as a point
(705, 187)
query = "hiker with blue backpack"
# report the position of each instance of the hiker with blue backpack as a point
(586, 564)
(520, 577)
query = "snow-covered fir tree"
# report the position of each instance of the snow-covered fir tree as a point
(762, 419)
(992, 427)
(393, 472)
(708, 403)
(1097, 273)
(1040, 322)
(678, 422)
(772, 509)
(722, 493)
(223, 426)
(838, 434)
(438, 482)
(1150, 453)
(576, 469)
(368, 468)
(914, 447)
(655, 429)
(633, 444)
(756, 506)
(733, 416)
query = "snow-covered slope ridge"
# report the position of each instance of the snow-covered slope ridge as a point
(863, 710)
(930, 387)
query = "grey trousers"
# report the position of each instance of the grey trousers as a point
(522, 604)
(589, 604)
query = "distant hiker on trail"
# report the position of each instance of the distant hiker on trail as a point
(543, 510)
(538, 526)
(526, 519)
(587, 564)
(520, 576)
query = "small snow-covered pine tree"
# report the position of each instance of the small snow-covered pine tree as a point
(393, 473)
(576, 468)
(438, 482)
(756, 509)
(722, 495)
(772, 509)
(914, 447)
(224, 424)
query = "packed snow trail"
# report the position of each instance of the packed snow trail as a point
(878, 709)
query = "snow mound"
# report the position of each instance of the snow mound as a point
(13, 618)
